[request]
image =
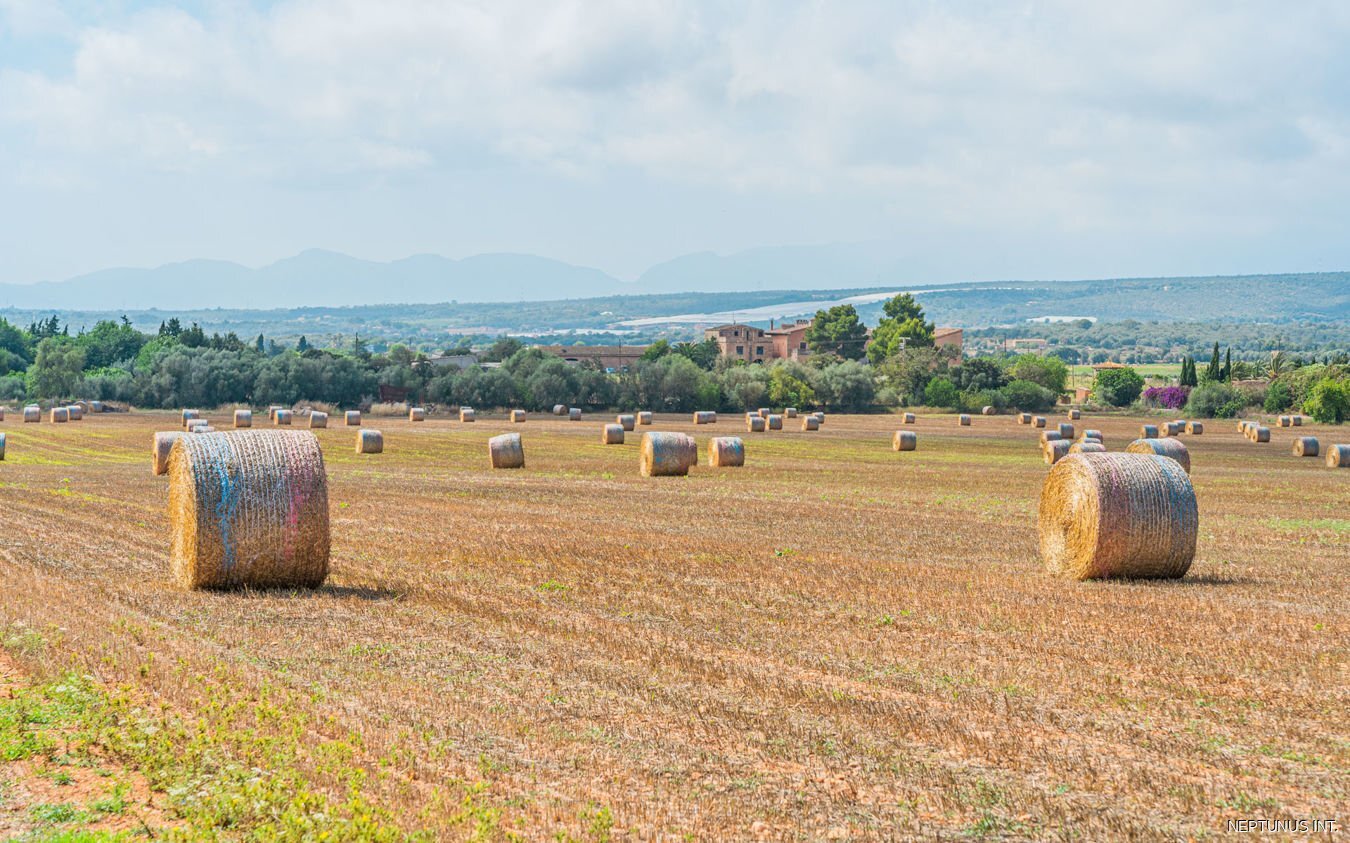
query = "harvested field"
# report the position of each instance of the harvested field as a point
(828, 642)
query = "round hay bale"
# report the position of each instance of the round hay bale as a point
(417, 414)
(369, 442)
(1305, 446)
(243, 418)
(1338, 456)
(249, 508)
(317, 420)
(1260, 434)
(611, 434)
(559, 409)
(159, 451)
(908, 418)
(1050, 436)
(963, 420)
(1148, 431)
(1093, 434)
(1172, 428)
(1024, 418)
(1038, 421)
(196, 424)
(466, 415)
(94, 407)
(272, 413)
(574, 414)
(1170, 448)
(626, 420)
(1055, 450)
(775, 422)
(1118, 515)
(352, 418)
(820, 416)
(283, 417)
(1284, 421)
(904, 440)
(1297, 420)
(726, 451)
(764, 412)
(189, 415)
(75, 412)
(706, 417)
(1087, 446)
(1075, 414)
(668, 454)
(790, 412)
(987, 410)
(32, 414)
(60, 415)
(810, 423)
(2, 414)
(644, 417)
(1065, 430)
(517, 417)
(1195, 428)
(2, 446)
(506, 451)
(755, 424)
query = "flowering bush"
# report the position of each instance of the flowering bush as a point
(1167, 397)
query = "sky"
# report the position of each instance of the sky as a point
(982, 140)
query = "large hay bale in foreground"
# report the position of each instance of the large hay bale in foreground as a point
(317, 420)
(790, 412)
(908, 418)
(32, 414)
(506, 451)
(611, 434)
(159, 451)
(1338, 456)
(1075, 414)
(466, 414)
(369, 442)
(775, 422)
(904, 440)
(668, 454)
(726, 451)
(60, 415)
(1055, 450)
(1118, 515)
(963, 420)
(754, 424)
(1087, 446)
(559, 409)
(1148, 431)
(517, 417)
(417, 414)
(574, 414)
(1038, 421)
(243, 419)
(1170, 448)
(352, 418)
(810, 423)
(248, 508)
(1065, 430)
(1306, 446)
(1195, 428)
(644, 417)
(626, 420)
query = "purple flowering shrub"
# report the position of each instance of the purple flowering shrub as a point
(1167, 397)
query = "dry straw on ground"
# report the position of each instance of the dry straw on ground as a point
(352, 418)
(1172, 448)
(506, 451)
(626, 420)
(1118, 515)
(904, 440)
(369, 442)
(1305, 446)
(317, 420)
(1338, 456)
(1055, 450)
(644, 417)
(963, 420)
(248, 508)
(810, 423)
(1195, 428)
(775, 422)
(611, 434)
(243, 418)
(667, 454)
(417, 414)
(282, 417)
(726, 451)
(754, 424)
(1087, 446)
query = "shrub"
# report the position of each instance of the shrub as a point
(1028, 396)
(1118, 387)
(1328, 401)
(973, 402)
(1167, 397)
(941, 392)
(1049, 372)
(1215, 400)
(1278, 398)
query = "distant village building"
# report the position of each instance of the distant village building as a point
(949, 338)
(611, 358)
(458, 361)
(739, 341)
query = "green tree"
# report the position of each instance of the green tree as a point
(1227, 375)
(1049, 372)
(302, 345)
(1214, 371)
(845, 386)
(703, 354)
(656, 350)
(903, 326)
(838, 331)
(788, 389)
(941, 392)
(56, 368)
(1328, 401)
(502, 349)
(110, 342)
(1118, 387)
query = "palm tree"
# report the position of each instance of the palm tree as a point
(1278, 365)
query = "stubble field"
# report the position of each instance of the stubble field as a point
(836, 641)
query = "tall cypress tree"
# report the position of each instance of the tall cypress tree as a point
(1213, 372)
(1228, 366)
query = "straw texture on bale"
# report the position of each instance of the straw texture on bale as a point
(1338, 456)
(645, 417)
(1171, 448)
(1260, 434)
(352, 418)
(204, 427)
(754, 424)
(726, 452)
(466, 415)
(1024, 418)
(668, 454)
(1050, 436)
(317, 420)
(1087, 446)
(626, 420)
(159, 451)
(1118, 515)
(1065, 430)
(774, 422)
(611, 434)
(2, 446)
(1148, 431)
(810, 423)
(517, 416)
(907, 418)
(574, 414)
(243, 418)
(32, 414)
(1056, 450)
(417, 414)
(904, 440)
(1075, 415)
(705, 417)
(506, 451)
(559, 409)
(1038, 421)
(75, 412)
(1195, 428)
(1306, 446)
(189, 415)
(369, 442)
(60, 415)
(248, 508)
(790, 412)
(963, 420)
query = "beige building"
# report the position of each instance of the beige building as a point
(757, 345)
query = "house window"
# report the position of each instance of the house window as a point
(740, 349)
(736, 333)
(759, 349)
(802, 346)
